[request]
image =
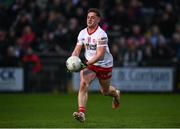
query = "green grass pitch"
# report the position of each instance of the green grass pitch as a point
(55, 111)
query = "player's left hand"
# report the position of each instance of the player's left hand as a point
(83, 66)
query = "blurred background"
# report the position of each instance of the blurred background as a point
(37, 36)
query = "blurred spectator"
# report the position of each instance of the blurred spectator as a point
(176, 41)
(3, 46)
(115, 54)
(42, 3)
(32, 68)
(119, 48)
(167, 21)
(27, 39)
(177, 28)
(137, 36)
(133, 57)
(32, 61)
(56, 5)
(148, 51)
(60, 40)
(155, 35)
(52, 21)
(22, 20)
(176, 46)
(73, 31)
(118, 19)
(40, 23)
(12, 58)
(162, 50)
(135, 14)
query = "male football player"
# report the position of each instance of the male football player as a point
(99, 63)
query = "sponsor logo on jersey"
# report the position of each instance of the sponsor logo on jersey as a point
(91, 46)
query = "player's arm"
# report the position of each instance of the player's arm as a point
(101, 49)
(98, 56)
(79, 44)
(77, 50)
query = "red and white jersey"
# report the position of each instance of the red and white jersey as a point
(91, 42)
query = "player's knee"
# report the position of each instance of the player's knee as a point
(83, 86)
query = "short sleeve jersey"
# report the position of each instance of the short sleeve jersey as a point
(91, 42)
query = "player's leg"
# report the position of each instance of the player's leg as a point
(107, 89)
(86, 77)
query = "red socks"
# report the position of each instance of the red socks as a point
(82, 109)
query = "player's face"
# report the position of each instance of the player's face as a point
(92, 20)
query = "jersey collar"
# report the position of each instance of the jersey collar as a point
(93, 31)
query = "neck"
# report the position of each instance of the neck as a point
(92, 29)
